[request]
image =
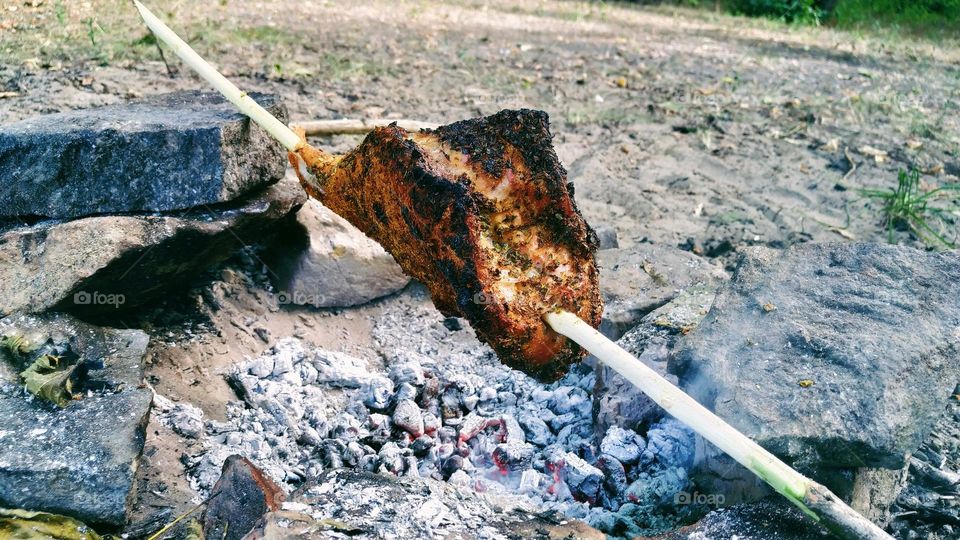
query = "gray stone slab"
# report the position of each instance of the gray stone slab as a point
(166, 152)
(636, 280)
(324, 261)
(110, 263)
(830, 355)
(617, 402)
(79, 460)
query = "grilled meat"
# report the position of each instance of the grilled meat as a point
(481, 212)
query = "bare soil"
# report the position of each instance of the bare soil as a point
(704, 132)
(694, 130)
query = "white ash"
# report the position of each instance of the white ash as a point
(623, 444)
(446, 410)
(183, 418)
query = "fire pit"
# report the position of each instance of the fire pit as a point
(444, 408)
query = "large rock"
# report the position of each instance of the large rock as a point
(636, 280)
(325, 261)
(830, 355)
(344, 503)
(167, 152)
(617, 402)
(79, 460)
(105, 263)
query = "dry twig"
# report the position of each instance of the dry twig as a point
(349, 126)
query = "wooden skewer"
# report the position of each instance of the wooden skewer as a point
(277, 129)
(815, 500)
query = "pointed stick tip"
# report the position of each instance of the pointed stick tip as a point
(277, 129)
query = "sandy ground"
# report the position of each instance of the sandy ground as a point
(708, 133)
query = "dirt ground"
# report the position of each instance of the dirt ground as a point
(696, 130)
(687, 129)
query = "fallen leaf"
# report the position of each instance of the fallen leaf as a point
(768, 307)
(805, 383)
(6, 95)
(48, 379)
(195, 531)
(43, 526)
(16, 345)
(913, 144)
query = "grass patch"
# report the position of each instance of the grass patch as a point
(576, 11)
(346, 66)
(66, 32)
(931, 215)
(926, 18)
(110, 32)
(929, 20)
(790, 11)
(266, 35)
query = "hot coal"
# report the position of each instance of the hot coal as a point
(623, 444)
(466, 420)
(407, 416)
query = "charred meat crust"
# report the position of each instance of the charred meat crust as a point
(481, 212)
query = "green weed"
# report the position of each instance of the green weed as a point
(338, 67)
(931, 215)
(60, 11)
